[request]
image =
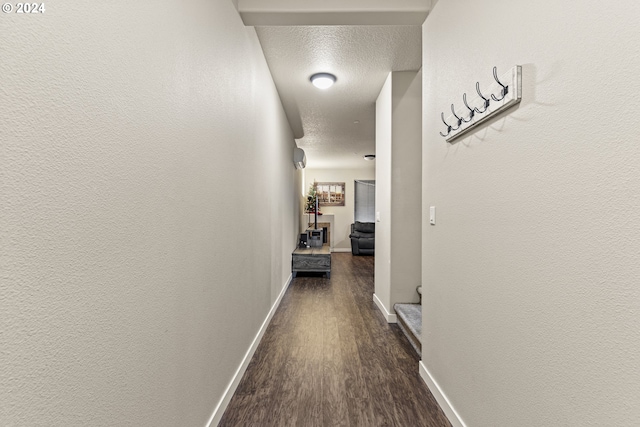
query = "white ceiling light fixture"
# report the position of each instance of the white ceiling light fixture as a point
(323, 80)
(369, 157)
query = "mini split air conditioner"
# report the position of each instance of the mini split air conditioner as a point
(299, 158)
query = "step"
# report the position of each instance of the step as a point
(410, 321)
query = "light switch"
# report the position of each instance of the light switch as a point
(432, 215)
(377, 216)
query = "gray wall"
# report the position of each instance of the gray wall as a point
(531, 274)
(149, 208)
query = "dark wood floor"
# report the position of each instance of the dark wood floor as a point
(329, 358)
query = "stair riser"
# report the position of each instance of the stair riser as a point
(415, 343)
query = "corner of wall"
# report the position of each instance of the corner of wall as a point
(441, 398)
(389, 317)
(218, 412)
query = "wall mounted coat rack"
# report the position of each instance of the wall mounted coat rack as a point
(503, 93)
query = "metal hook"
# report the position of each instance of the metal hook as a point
(471, 111)
(446, 124)
(505, 89)
(456, 116)
(486, 100)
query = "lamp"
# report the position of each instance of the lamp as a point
(323, 80)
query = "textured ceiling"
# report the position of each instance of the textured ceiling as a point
(361, 57)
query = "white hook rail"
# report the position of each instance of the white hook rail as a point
(489, 102)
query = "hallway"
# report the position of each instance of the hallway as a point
(328, 358)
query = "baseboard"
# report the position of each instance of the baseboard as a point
(233, 385)
(341, 250)
(441, 398)
(391, 318)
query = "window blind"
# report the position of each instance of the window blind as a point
(365, 200)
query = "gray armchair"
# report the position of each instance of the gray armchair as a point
(363, 238)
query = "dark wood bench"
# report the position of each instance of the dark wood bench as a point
(311, 260)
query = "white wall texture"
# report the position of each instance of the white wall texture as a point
(406, 192)
(398, 194)
(343, 215)
(137, 144)
(334, 12)
(531, 274)
(384, 114)
(337, 5)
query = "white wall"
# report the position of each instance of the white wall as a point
(336, 5)
(334, 12)
(531, 273)
(137, 145)
(384, 119)
(398, 192)
(343, 214)
(406, 191)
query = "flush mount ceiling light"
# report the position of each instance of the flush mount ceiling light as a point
(323, 80)
(369, 157)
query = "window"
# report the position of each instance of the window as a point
(365, 200)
